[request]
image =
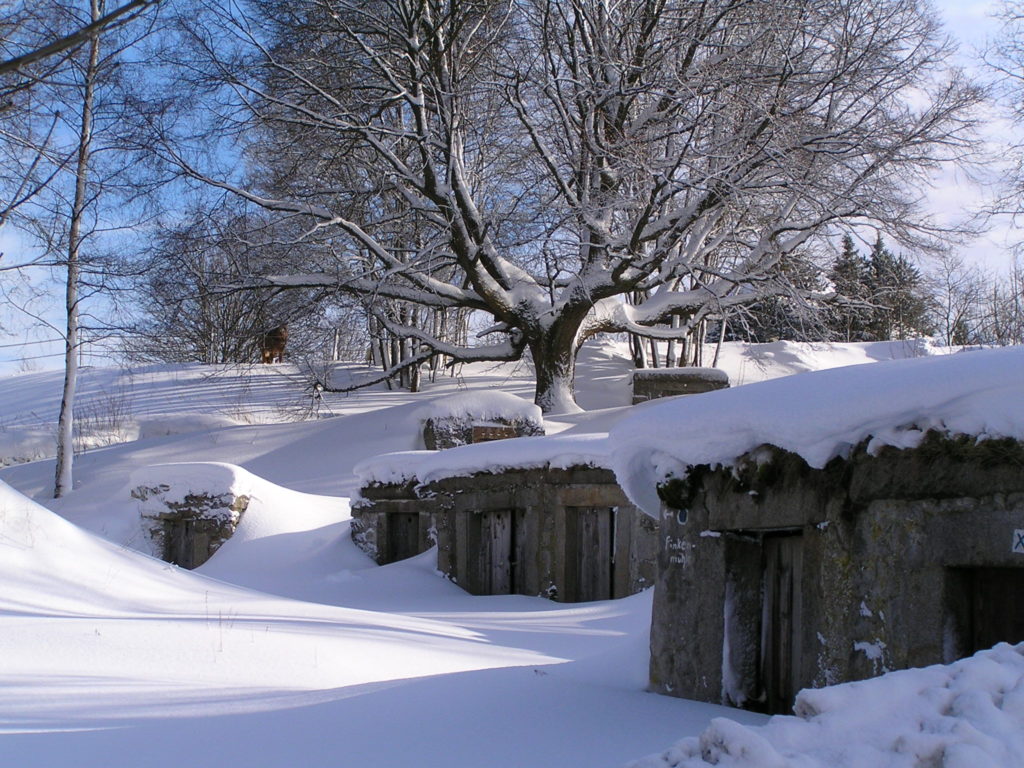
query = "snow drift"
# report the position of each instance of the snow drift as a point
(969, 714)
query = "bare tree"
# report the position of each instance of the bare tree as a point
(29, 58)
(556, 157)
(67, 44)
(65, 426)
(1005, 61)
(186, 310)
(64, 202)
(958, 291)
(1005, 302)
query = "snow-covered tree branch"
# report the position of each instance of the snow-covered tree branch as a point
(542, 160)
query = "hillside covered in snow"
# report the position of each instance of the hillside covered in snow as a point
(290, 647)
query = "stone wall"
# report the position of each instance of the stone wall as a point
(187, 529)
(390, 522)
(566, 534)
(653, 383)
(887, 554)
(451, 432)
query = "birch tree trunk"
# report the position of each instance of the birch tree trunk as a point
(65, 425)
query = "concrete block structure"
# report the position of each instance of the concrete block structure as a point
(654, 383)
(565, 534)
(390, 522)
(440, 433)
(478, 417)
(774, 576)
(188, 528)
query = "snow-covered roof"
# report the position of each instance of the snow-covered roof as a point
(693, 372)
(480, 404)
(821, 415)
(556, 452)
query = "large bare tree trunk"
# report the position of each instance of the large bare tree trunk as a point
(64, 481)
(555, 391)
(554, 351)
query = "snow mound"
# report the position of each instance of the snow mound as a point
(280, 530)
(182, 424)
(184, 478)
(968, 714)
(92, 631)
(821, 415)
(749, 363)
(51, 566)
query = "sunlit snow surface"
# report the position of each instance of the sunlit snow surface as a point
(969, 714)
(289, 647)
(108, 657)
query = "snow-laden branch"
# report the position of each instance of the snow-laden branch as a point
(318, 385)
(506, 351)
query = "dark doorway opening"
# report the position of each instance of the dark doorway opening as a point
(781, 620)
(987, 606)
(403, 536)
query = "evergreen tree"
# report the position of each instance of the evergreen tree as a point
(898, 298)
(851, 313)
(790, 312)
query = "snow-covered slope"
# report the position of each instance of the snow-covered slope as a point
(112, 658)
(116, 405)
(289, 647)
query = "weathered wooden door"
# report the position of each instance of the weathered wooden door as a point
(187, 542)
(997, 607)
(595, 570)
(403, 536)
(178, 543)
(497, 539)
(781, 620)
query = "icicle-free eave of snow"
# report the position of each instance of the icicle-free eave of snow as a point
(821, 415)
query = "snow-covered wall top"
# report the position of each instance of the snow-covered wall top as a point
(695, 372)
(486, 404)
(272, 512)
(182, 479)
(821, 415)
(557, 452)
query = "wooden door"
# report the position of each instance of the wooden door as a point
(178, 543)
(781, 621)
(403, 536)
(595, 527)
(187, 543)
(497, 539)
(997, 607)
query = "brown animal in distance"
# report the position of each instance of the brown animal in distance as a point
(272, 344)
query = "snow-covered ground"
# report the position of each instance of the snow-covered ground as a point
(968, 714)
(290, 647)
(118, 405)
